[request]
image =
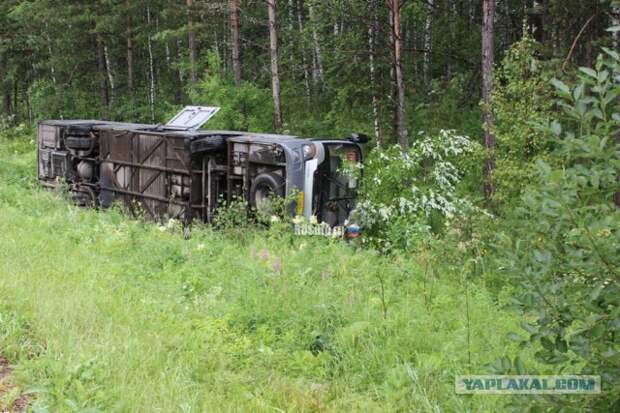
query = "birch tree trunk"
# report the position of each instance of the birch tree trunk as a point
(103, 84)
(60, 91)
(275, 75)
(372, 33)
(393, 91)
(615, 21)
(51, 52)
(130, 85)
(168, 56)
(317, 65)
(488, 12)
(428, 27)
(151, 67)
(226, 40)
(403, 137)
(110, 74)
(180, 58)
(452, 18)
(304, 60)
(178, 95)
(191, 40)
(291, 25)
(236, 46)
(16, 96)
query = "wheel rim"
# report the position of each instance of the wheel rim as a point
(263, 196)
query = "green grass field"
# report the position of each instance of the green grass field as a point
(99, 312)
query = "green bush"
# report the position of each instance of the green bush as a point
(408, 196)
(561, 246)
(244, 108)
(523, 98)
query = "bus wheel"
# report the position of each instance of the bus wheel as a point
(264, 187)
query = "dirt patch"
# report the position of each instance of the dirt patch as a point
(21, 401)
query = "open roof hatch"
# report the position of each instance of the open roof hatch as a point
(191, 117)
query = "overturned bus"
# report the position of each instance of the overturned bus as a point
(179, 171)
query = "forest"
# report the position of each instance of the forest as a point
(489, 203)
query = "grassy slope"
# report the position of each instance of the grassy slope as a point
(99, 311)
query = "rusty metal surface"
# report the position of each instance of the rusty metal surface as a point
(152, 171)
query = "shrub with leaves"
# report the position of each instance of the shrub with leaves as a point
(563, 250)
(242, 108)
(407, 196)
(522, 98)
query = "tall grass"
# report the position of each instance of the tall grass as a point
(103, 313)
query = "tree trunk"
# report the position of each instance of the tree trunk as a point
(372, 33)
(451, 12)
(488, 11)
(317, 65)
(151, 67)
(51, 52)
(226, 32)
(103, 84)
(428, 27)
(130, 86)
(180, 58)
(28, 105)
(110, 74)
(615, 21)
(275, 75)
(403, 137)
(393, 91)
(16, 96)
(7, 102)
(191, 40)
(291, 25)
(535, 21)
(6, 94)
(168, 56)
(178, 95)
(304, 61)
(236, 46)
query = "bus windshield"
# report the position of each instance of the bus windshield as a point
(335, 183)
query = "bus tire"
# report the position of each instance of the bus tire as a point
(264, 186)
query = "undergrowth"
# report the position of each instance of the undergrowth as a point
(100, 312)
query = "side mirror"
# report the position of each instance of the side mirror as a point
(359, 138)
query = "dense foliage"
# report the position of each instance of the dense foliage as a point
(409, 196)
(131, 60)
(563, 243)
(523, 98)
(244, 315)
